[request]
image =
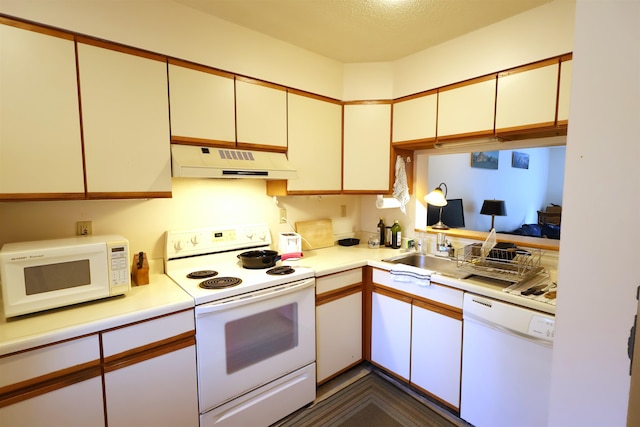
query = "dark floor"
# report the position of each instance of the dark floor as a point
(346, 379)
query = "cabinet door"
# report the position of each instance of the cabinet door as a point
(415, 119)
(565, 91)
(160, 391)
(391, 333)
(527, 98)
(54, 385)
(338, 335)
(150, 373)
(76, 405)
(40, 146)
(202, 105)
(261, 115)
(315, 144)
(125, 117)
(467, 110)
(367, 147)
(436, 353)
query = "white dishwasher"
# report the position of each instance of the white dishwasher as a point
(506, 364)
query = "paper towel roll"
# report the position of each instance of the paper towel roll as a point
(386, 203)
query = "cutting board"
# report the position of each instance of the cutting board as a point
(315, 234)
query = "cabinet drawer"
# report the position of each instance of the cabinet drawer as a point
(339, 280)
(46, 360)
(434, 292)
(137, 335)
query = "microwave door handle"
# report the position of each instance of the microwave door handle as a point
(252, 297)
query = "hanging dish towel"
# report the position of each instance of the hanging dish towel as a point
(400, 186)
(401, 273)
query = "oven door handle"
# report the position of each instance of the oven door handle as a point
(252, 297)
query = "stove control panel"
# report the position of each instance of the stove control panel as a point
(182, 243)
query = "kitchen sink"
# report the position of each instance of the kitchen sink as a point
(440, 265)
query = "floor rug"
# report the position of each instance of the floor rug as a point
(369, 402)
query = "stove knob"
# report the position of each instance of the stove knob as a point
(262, 236)
(195, 240)
(249, 233)
(177, 246)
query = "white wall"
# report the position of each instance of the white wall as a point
(543, 32)
(598, 272)
(525, 191)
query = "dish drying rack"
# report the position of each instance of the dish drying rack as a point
(510, 264)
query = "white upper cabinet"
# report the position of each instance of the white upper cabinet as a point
(261, 115)
(40, 140)
(415, 118)
(367, 147)
(202, 105)
(565, 91)
(467, 109)
(527, 97)
(125, 115)
(315, 144)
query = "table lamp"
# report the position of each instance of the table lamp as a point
(493, 208)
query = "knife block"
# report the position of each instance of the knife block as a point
(140, 269)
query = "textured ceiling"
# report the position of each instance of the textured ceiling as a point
(363, 30)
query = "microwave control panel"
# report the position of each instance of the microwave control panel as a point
(119, 274)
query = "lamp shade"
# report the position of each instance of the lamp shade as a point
(494, 207)
(437, 197)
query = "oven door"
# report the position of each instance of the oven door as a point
(249, 340)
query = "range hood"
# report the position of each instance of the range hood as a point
(190, 161)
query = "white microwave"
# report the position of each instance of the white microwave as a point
(41, 275)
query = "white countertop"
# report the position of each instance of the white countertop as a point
(161, 296)
(338, 258)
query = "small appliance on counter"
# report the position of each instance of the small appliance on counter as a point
(47, 274)
(290, 245)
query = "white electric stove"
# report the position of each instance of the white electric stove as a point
(255, 328)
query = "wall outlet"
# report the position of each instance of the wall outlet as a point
(84, 228)
(283, 216)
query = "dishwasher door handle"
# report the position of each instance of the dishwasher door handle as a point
(501, 328)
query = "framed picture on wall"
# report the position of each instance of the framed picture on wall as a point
(485, 159)
(519, 160)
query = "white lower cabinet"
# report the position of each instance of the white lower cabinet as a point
(338, 323)
(77, 405)
(160, 391)
(55, 385)
(416, 334)
(150, 373)
(391, 332)
(436, 353)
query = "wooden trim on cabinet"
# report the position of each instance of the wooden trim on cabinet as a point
(438, 307)
(201, 142)
(36, 28)
(149, 351)
(314, 96)
(327, 297)
(120, 48)
(202, 68)
(392, 293)
(367, 282)
(37, 386)
(433, 396)
(369, 102)
(260, 147)
(521, 128)
(529, 67)
(34, 197)
(468, 135)
(98, 195)
(415, 95)
(468, 82)
(260, 83)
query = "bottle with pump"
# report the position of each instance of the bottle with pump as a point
(396, 235)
